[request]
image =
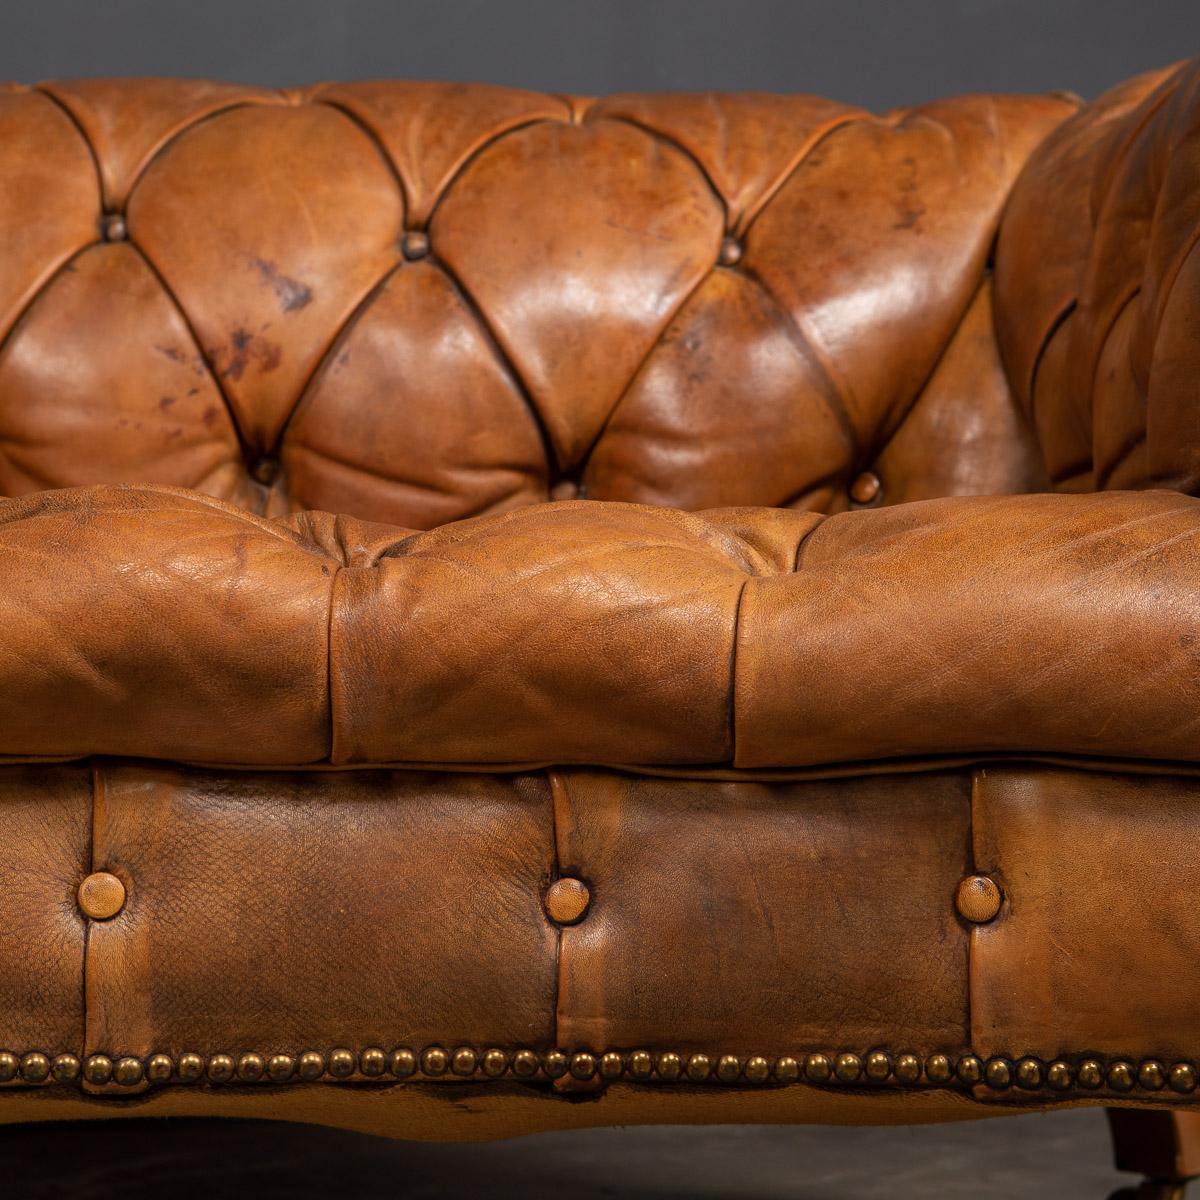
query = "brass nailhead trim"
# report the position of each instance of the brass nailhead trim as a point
(843, 1069)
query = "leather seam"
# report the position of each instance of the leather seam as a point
(507, 364)
(332, 753)
(733, 668)
(833, 390)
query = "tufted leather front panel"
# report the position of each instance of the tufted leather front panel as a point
(833, 924)
(419, 302)
(279, 912)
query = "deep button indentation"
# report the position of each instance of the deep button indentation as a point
(101, 896)
(265, 470)
(730, 253)
(415, 244)
(978, 899)
(567, 900)
(112, 226)
(866, 488)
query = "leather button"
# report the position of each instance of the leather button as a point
(101, 896)
(978, 899)
(565, 489)
(113, 227)
(567, 900)
(415, 245)
(266, 470)
(865, 488)
(730, 253)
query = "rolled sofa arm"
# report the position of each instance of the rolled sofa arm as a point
(157, 623)
(1098, 288)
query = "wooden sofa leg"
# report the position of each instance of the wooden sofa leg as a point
(1163, 1146)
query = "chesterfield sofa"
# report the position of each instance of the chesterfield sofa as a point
(522, 612)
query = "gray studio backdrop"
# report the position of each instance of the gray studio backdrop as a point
(878, 53)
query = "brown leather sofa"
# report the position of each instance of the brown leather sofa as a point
(523, 612)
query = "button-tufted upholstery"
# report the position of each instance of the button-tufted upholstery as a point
(569, 596)
(414, 303)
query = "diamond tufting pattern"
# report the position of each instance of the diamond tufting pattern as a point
(416, 302)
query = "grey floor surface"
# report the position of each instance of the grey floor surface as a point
(1063, 1156)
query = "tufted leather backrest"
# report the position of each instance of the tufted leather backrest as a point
(418, 302)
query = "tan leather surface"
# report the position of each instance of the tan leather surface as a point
(280, 913)
(45, 832)
(600, 633)
(420, 302)
(1097, 290)
(833, 920)
(515, 439)
(465, 1112)
(1096, 948)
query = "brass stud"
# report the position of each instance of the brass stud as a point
(251, 1068)
(1152, 1076)
(787, 1069)
(699, 1067)
(220, 1068)
(35, 1067)
(495, 1063)
(758, 1069)
(729, 1068)
(997, 1074)
(1059, 1076)
(434, 1061)
(265, 469)
(939, 1068)
(1182, 1078)
(402, 1063)
(555, 1064)
(97, 1069)
(525, 1063)
(101, 896)
(611, 1065)
(865, 488)
(191, 1067)
(1090, 1074)
(128, 1071)
(311, 1065)
(1121, 1077)
(1029, 1074)
(583, 1065)
(280, 1068)
(969, 1070)
(817, 1068)
(159, 1068)
(112, 227)
(978, 899)
(463, 1061)
(567, 900)
(641, 1065)
(878, 1065)
(669, 1066)
(730, 253)
(415, 244)
(66, 1068)
(908, 1068)
(341, 1063)
(847, 1067)
(9, 1065)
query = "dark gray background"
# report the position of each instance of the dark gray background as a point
(878, 53)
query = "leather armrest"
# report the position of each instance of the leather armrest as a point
(157, 623)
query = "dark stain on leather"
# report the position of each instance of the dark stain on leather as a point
(291, 293)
